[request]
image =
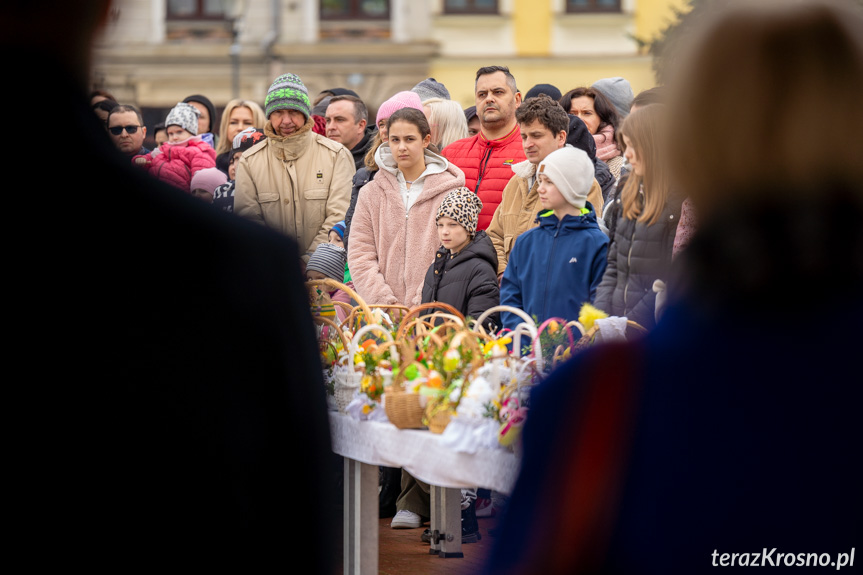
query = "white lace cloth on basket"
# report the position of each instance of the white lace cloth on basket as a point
(611, 329)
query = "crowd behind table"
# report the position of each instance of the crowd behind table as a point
(560, 198)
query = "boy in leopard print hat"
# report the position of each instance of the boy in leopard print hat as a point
(464, 271)
(463, 206)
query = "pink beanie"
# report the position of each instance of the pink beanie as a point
(401, 100)
(208, 179)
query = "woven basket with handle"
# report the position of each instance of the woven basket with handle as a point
(348, 380)
(404, 409)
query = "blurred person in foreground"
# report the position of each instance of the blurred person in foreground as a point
(169, 394)
(728, 433)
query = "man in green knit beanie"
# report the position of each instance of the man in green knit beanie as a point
(295, 181)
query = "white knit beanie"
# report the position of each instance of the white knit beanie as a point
(184, 115)
(571, 171)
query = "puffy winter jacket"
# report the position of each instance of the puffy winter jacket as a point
(554, 268)
(517, 211)
(363, 176)
(466, 280)
(175, 164)
(487, 167)
(639, 255)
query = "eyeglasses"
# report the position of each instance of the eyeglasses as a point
(117, 130)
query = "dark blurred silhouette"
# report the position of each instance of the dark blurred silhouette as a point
(734, 427)
(168, 401)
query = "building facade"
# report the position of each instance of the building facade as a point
(154, 53)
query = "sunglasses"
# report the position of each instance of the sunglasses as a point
(117, 130)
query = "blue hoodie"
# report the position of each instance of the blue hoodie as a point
(554, 268)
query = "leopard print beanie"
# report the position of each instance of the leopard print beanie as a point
(463, 206)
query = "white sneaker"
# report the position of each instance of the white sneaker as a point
(405, 519)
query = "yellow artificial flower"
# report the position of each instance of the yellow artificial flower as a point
(590, 314)
(497, 346)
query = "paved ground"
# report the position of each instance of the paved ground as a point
(402, 552)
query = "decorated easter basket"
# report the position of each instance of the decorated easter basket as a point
(331, 355)
(321, 302)
(633, 330)
(558, 338)
(415, 321)
(348, 380)
(404, 409)
(439, 410)
(362, 315)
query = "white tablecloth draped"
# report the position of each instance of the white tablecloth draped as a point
(422, 453)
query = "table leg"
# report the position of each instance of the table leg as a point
(445, 522)
(361, 518)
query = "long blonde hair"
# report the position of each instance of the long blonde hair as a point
(645, 129)
(448, 119)
(258, 117)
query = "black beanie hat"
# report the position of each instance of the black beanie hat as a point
(207, 104)
(547, 89)
(580, 137)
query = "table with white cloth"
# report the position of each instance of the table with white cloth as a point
(365, 445)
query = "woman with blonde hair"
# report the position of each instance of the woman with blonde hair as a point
(236, 117)
(641, 248)
(447, 121)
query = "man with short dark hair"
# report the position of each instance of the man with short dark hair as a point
(127, 130)
(543, 127)
(347, 122)
(487, 157)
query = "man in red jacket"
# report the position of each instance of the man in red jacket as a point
(486, 157)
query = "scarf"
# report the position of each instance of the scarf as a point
(288, 148)
(606, 145)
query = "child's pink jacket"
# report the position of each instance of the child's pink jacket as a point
(175, 164)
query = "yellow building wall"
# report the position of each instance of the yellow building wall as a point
(533, 63)
(531, 28)
(652, 16)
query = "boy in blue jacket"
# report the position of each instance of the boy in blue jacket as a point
(556, 267)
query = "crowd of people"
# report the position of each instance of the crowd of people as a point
(300, 165)
(513, 215)
(693, 214)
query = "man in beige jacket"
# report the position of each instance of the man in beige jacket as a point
(295, 181)
(544, 126)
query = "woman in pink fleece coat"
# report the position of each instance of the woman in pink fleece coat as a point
(393, 232)
(184, 154)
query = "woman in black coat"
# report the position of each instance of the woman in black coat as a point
(643, 225)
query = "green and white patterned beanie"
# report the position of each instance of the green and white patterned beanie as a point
(288, 92)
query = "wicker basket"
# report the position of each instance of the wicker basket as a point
(438, 420)
(634, 330)
(346, 386)
(403, 409)
(347, 381)
(437, 309)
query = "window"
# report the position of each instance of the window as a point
(470, 6)
(592, 6)
(355, 9)
(196, 10)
